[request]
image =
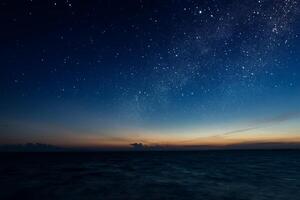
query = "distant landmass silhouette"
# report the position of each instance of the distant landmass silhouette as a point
(30, 147)
(246, 145)
(39, 147)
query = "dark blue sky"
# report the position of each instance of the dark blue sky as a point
(112, 72)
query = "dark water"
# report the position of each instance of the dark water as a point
(207, 175)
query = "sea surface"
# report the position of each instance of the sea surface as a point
(207, 175)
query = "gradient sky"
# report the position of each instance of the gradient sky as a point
(109, 73)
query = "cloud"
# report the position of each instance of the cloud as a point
(138, 146)
(263, 123)
(239, 131)
(281, 118)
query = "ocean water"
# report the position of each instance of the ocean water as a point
(207, 175)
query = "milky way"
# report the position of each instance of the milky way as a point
(106, 68)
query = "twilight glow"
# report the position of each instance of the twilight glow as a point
(162, 73)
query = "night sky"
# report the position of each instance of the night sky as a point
(110, 73)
